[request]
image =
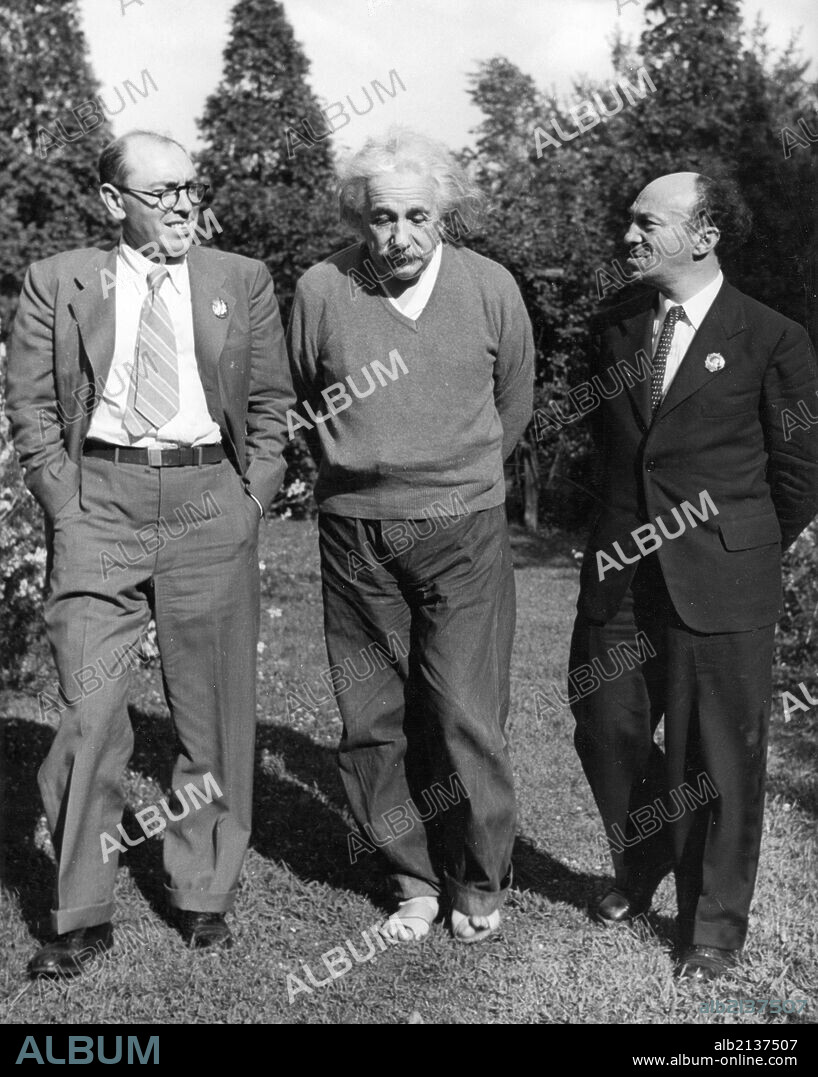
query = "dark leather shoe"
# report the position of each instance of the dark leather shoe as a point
(705, 963)
(69, 954)
(621, 905)
(203, 930)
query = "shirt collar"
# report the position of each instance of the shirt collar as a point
(137, 266)
(423, 286)
(429, 274)
(697, 305)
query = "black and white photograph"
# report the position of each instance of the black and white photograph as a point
(408, 523)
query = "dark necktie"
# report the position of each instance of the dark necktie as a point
(153, 396)
(662, 352)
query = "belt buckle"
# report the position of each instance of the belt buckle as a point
(154, 457)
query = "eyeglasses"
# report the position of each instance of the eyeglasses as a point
(169, 198)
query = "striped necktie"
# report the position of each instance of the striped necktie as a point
(153, 396)
(662, 352)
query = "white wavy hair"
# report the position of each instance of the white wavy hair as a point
(402, 150)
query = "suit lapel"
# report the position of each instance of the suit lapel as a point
(93, 307)
(722, 322)
(637, 333)
(213, 305)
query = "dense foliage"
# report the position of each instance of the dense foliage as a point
(50, 201)
(559, 183)
(719, 103)
(797, 636)
(22, 563)
(273, 191)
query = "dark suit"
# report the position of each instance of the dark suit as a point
(127, 540)
(707, 599)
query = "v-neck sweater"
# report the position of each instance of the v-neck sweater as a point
(404, 412)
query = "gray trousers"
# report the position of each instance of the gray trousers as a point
(419, 634)
(183, 540)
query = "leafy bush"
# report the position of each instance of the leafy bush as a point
(22, 565)
(797, 637)
(295, 500)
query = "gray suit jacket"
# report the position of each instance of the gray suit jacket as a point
(62, 345)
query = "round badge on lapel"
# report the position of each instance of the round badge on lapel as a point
(714, 362)
(219, 308)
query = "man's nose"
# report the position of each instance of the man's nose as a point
(183, 204)
(400, 234)
(633, 235)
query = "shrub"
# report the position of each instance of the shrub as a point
(22, 565)
(295, 498)
(797, 637)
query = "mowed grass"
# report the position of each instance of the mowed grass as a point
(300, 897)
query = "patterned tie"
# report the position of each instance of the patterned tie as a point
(153, 396)
(662, 352)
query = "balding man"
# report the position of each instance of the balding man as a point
(147, 392)
(702, 488)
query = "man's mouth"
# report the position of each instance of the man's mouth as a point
(635, 254)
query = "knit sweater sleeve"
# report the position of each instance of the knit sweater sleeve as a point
(303, 346)
(514, 368)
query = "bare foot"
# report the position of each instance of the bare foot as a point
(474, 928)
(413, 919)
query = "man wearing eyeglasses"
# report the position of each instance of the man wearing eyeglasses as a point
(147, 391)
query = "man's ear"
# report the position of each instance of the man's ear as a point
(708, 238)
(112, 200)
(704, 235)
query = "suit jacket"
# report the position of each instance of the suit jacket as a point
(717, 431)
(62, 346)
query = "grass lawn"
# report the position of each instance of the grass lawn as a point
(301, 898)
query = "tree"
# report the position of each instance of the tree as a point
(273, 182)
(720, 105)
(268, 156)
(714, 103)
(545, 227)
(51, 132)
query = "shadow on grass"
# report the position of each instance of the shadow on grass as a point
(24, 869)
(297, 819)
(542, 874)
(292, 822)
(293, 778)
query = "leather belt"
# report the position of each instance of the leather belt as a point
(184, 456)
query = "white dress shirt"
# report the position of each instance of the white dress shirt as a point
(414, 299)
(193, 424)
(686, 328)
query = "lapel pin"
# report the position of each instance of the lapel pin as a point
(219, 308)
(714, 362)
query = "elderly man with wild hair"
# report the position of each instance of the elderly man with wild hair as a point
(415, 557)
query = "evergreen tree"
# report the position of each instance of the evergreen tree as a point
(273, 183)
(720, 106)
(48, 152)
(717, 103)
